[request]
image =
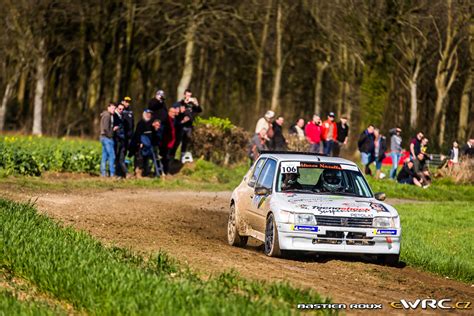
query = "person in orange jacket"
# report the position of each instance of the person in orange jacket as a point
(329, 134)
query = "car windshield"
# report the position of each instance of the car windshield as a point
(322, 178)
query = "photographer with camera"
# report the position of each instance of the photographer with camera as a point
(158, 106)
(188, 107)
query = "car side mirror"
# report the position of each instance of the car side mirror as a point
(262, 191)
(380, 196)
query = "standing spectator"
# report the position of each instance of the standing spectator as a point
(278, 142)
(169, 138)
(158, 106)
(258, 143)
(366, 148)
(297, 129)
(329, 133)
(342, 136)
(107, 141)
(415, 145)
(136, 144)
(407, 175)
(313, 134)
(454, 154)
(188, 108)
(424, 145)
(266, 122)
(380, 147)
(120, 141)
(468, 149)
(396, 150)
(129, 119)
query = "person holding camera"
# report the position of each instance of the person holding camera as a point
(188, 107)
(158, 106)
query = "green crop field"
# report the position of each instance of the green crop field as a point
(74, 267)
(34, 155)
(437, 237)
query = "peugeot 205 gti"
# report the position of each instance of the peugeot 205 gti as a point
(312, 203)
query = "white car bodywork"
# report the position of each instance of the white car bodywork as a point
(343, 224)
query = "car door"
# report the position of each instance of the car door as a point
(247, 191)
(261, 203)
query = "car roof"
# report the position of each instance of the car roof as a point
(305, 156)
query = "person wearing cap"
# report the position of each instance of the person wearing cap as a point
(158, 106)
(266, 122)
(342, 136)
(329, 133)
(396, 149)
(129, 119)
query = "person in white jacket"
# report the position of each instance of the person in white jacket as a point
(266, 122)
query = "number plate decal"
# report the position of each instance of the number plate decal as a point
(289, 166)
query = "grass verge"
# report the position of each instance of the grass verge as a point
(74, 267)
(438, 238)
(11, 305)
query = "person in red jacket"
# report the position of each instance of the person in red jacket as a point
(329, 134)
(313, 134)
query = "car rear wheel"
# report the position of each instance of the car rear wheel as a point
(272, 245)
(233, 236)
(390, 260)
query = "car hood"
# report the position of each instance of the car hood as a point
(332, 205)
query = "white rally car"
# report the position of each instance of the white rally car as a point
(308, 202)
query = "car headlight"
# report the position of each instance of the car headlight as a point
(287, 217)
(383, 222)
(305, 219)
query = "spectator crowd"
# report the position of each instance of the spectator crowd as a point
(328, 137)
(153, 142)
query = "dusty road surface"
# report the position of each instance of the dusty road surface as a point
(191, 226)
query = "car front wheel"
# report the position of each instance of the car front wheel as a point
(390, 260)
(272, 245)
(233, 237)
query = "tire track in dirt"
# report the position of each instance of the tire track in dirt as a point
(191, 226)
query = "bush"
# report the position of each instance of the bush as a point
(219, 141)
(34, 155)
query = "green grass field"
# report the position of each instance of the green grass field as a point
(75, 268)
(437, 237)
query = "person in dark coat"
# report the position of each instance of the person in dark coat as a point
(380, 147)
(129, 120)
(120, 142)
(278, 142)
(143, 128)
(407, 175)
(158, 106)
(169, 138)
(367, 147)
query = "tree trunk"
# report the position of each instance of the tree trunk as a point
(464, 109)
(3, 106)
(320, 68)
(39, 91)
(188, 59)
(278, 62)
(413, 104)
(442, 127)
(260, 59)
(118, 71)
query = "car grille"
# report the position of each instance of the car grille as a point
(344, 221)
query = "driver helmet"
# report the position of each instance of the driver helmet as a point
(332, 179)
(292, 178)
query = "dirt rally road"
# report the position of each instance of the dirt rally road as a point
(191, 226)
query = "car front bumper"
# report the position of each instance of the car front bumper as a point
(339, 239)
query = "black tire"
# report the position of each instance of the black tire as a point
(272, 244)
(390, 260)
(233, 236)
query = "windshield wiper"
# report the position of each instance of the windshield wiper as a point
(298, 190)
